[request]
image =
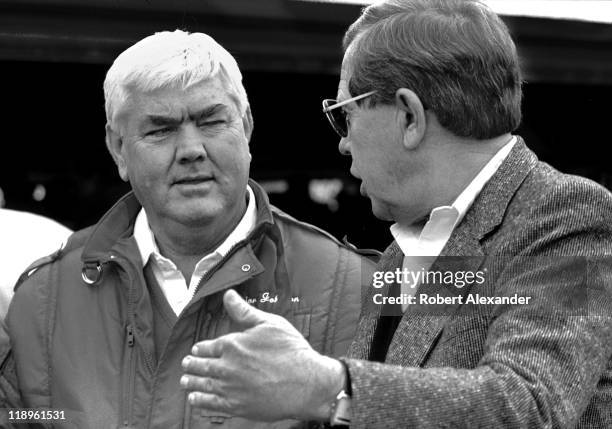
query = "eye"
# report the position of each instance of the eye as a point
(347, 116)
(158, 132)
(211, 123)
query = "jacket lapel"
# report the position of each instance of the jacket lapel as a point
(422, 324)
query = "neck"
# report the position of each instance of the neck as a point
(464, 160)
(451, 164)
(185, 245)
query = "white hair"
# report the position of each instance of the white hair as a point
(166, 59)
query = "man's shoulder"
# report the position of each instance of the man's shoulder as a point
(315, 238)
(524, 192)
(549, 191)
(570, 213)
(288, 223)
(546, 176)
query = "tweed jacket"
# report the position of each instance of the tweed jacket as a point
(533, 232)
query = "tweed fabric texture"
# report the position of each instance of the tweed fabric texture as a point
(535, 232)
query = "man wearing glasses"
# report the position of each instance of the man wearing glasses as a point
(521, 333)
(99, 329)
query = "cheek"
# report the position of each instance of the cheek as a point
(146, 167)
(232, 158)
(396, 170)
(379, 169)
(241, 151)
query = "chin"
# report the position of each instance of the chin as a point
(197, 213)
(195, 220)
(381, 211)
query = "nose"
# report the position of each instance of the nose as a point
(343, 146)
(190, 144)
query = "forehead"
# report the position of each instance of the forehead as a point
(175, 101)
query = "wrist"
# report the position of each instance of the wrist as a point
(332, 381)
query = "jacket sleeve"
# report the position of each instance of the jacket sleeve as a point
(541, 362)
(9, 393)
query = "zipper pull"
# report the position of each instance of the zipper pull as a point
(130, 335)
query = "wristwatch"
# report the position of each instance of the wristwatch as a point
(341, 410)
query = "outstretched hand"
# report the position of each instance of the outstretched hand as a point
(267, 372)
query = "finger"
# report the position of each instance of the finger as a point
(208, 348)
(201, 384)
(241, 312)
(204, 367)
(209, 401)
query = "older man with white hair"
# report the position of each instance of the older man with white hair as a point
(99, 331)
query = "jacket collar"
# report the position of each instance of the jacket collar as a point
(117, 225)
(489, 208)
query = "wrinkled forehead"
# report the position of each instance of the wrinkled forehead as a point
(177, 100)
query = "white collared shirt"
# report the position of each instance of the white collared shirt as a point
(431, 238)
(170, 279)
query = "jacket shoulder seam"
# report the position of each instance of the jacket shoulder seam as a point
(277, 213)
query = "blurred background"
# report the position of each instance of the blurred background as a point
(54, 55)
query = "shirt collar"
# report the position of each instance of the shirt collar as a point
(146, 240)
(244, 227)
(442, 220)
(465, 200)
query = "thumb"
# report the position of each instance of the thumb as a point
(241, 312)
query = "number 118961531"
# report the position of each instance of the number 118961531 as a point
(28, 415)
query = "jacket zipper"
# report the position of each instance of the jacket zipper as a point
(128, 390)
(130, 367)
(127, 400)
(200, 326)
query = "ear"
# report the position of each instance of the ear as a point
(114, 144)
(247, 122)
(412, 119)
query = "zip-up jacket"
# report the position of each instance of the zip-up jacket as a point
(83, 322)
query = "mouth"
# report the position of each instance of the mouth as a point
(193, 180)
(362, 190)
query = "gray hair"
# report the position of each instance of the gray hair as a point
(166, 59)
(456, 55)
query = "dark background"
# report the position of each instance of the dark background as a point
(54, 55)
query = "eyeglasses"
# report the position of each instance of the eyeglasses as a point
(337, 117)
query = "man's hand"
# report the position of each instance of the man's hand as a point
(267, 372)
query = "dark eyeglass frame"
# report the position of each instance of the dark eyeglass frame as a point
(337, 118)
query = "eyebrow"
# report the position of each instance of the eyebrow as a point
(161, 120)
